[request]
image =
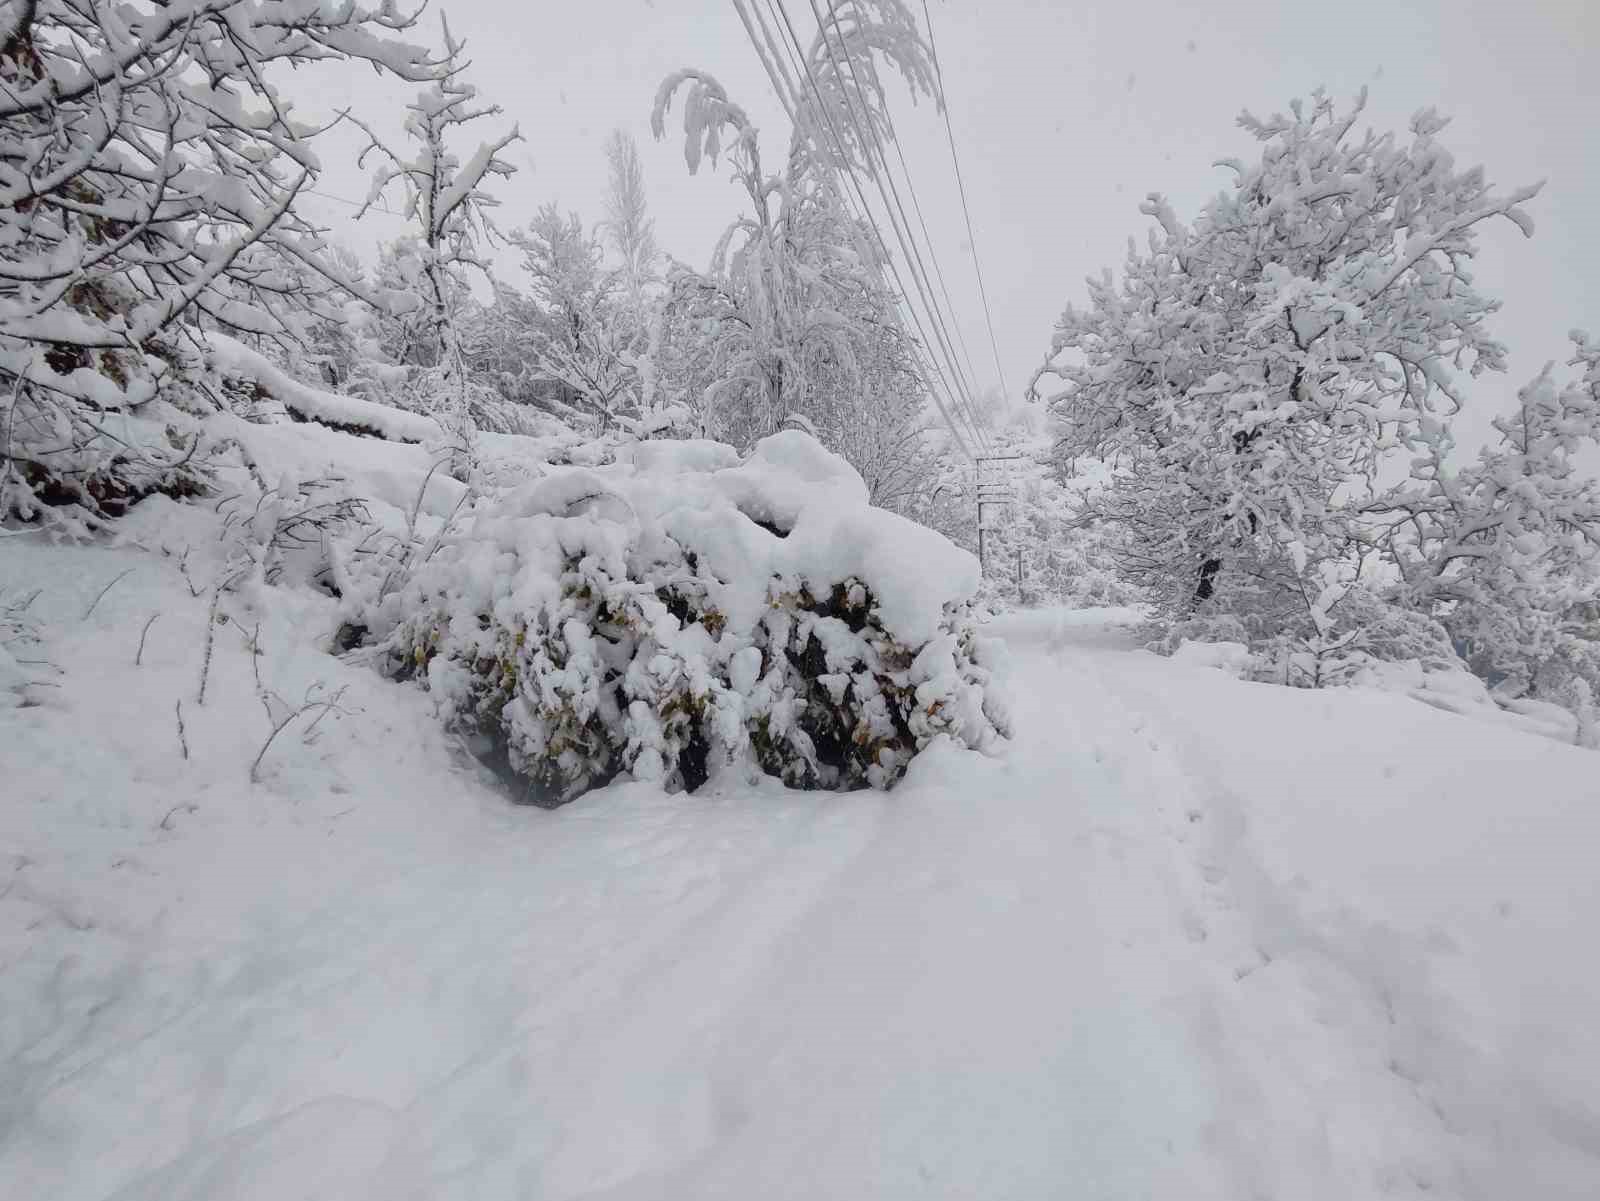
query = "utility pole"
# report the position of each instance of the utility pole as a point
(993, 489)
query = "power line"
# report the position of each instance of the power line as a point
(775, 70)
(772, 69)
(961, 187)
(862, 212)
(893, 207)
(944, 288)
(892, 202)
(797, 57)
(877, 144)
(355, 204)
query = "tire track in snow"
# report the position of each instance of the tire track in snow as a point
(990, 1001)
(532, 1005)
(1170, 823)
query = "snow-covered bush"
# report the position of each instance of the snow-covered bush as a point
(679, 611)
(288, 527)
(1363, 629)
(1579, 700)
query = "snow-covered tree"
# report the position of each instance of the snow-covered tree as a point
(446, 196)
(628, 226)
(581, 330)
(333, 341)
(410, 335)
(872, 408)
(1250, 373)
(1038, 548)
(497, 339)
(1586, 354)
(1506, 550)
(631, 233)
(888, 440)
(149, 168)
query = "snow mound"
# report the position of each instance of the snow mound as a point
(1231, 657)
(677, 611)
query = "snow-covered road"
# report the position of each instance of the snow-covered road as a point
(1187, 937)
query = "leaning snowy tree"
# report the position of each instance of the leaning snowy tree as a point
(782, 304)
(1250, 374)
(871, 405)
(447, 199)
(149, 169)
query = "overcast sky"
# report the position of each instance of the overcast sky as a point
(1066, 115)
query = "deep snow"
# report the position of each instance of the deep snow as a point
(1184, 936)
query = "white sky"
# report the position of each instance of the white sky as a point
(1066, 115)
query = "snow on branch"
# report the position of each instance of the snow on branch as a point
(446, 197)
(149, 189)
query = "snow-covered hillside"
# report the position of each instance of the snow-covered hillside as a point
(1182, 936)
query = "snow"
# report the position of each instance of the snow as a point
(234, 360)
(1231, 657)
(1421, 900)
(388, 473)
(1105, 924)
(695, 494)
(1109, 625)
(1187, 936)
